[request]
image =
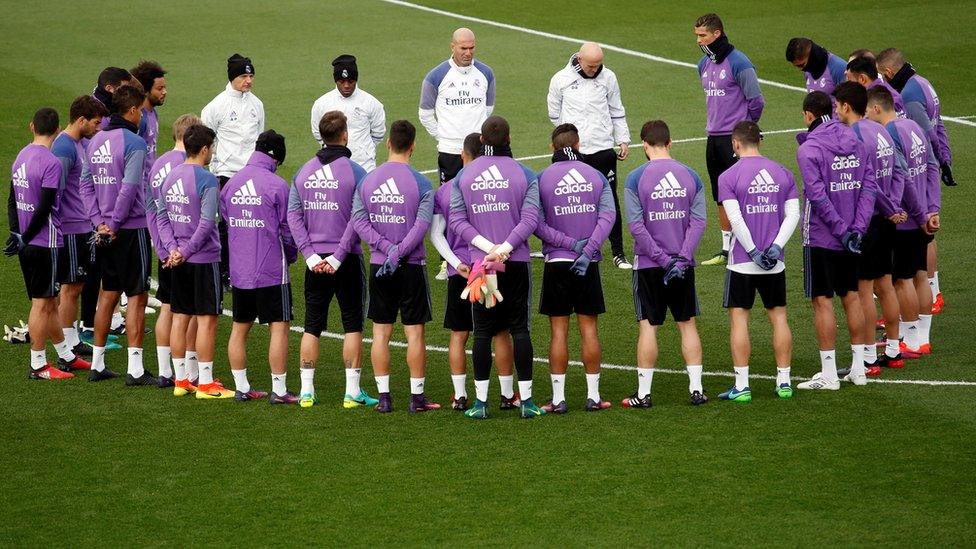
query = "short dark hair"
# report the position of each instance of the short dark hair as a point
(655, 133)
(46, 121)
(472, 145)
(196, 138)
(402, 136)
(818, 104)
(880, 96)
(852, 94)
(332, 126)
(864, 65)
(126, 97)
(565, 135)
(862, 53)
(711, 22)
(495, 131)
(747, 132)
(146, 72)
(113, 76)
(86, 107)
(891, 56)
(797, 47)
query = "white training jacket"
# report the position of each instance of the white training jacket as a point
(366, 120)
(238, 119)
(455, 101)
(593, 105)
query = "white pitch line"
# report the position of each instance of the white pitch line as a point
(684, 140)
(609, 47)
(625, 367)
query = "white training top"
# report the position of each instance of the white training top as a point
(365, 117)
(238, 119)
(593, 105)
(455, 101)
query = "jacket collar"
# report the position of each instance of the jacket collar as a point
(263, 161)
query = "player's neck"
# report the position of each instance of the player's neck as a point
(402, 158)
(887, 118)
(196, 161)
(658, 153)
(73, 131)
(43, 140)
(146, 105)
(748, 153)
(179, 146)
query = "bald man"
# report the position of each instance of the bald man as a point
(456, 98)
(586, 94)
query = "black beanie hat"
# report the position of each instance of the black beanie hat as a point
(344, 68)
(238, 65)
(272, 144)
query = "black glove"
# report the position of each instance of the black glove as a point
(15, 243)
(947, 175)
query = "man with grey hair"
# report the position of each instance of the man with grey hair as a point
(586, 94)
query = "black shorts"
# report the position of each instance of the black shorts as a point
(75, 258)
(719, 157)
(448, 166)
(877, 248)
(405, 292)
(564, 293)
(40, 267)
(164, 292)
(910, 254)
(268, 304)
(652, 299)
(741, 288)
(514, 311)
(828, 272)
(197, 289)
(457, 310)
(347, 285)
(127, 262)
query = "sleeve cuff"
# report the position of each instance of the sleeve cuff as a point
(505, 248)
(482, 243)
(313, 260)
(331, 260)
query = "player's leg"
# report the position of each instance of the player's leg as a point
(932, 270)
(890, 311)
(924, 311)
(558, 363)
(782, 349)
(350, 291)
(646, 359)
(178, 347)
(192, 362)
(135, 325)
(107, 300)
(741, 348)
(505, 364)
(818, 271)
(237, 353)
(39, 326)
(417, 364)
(457, 363)
(718, 157)
(415, 313)
(206, 307)
(68, 313)
(691, 351)
(855, 329)
(163, 326)
(591, 353)
(380, 357)
(516, 285)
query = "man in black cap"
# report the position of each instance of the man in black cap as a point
(365, 116)
(237, 116)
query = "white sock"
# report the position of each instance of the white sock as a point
(481, 389)
(417, 385)
(64, 351)
(870, 353)
(383, 384)
(278, 384)
(891, 348)
(98, 359)
(71, 336)
(857, 360)
(741, 377)
(694, 378)
(828, 365)
(782, 375)
(508, 385)
(308, 380)
(593, 387)
(179, 368)
(164, 358)
(924, 329)
(352, 381)
(911, 335)
(726, 241)
(459, 381)
(558, 387)
(192, 365)
(136, 368)
(644, 378)
(525, 390)
(206, 373)
(38, 359)
(934, 284)
(240, 380)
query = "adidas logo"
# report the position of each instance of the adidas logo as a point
(103, 155)
(490, 179)
(160, 176)
(845, 162)
(387, 193)
(19, 178)
(322, 178)
(175, 194)
(668, 187)
(918, 146)
(763, 183)
(572, 183)
(884, 147)
(246, 195)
